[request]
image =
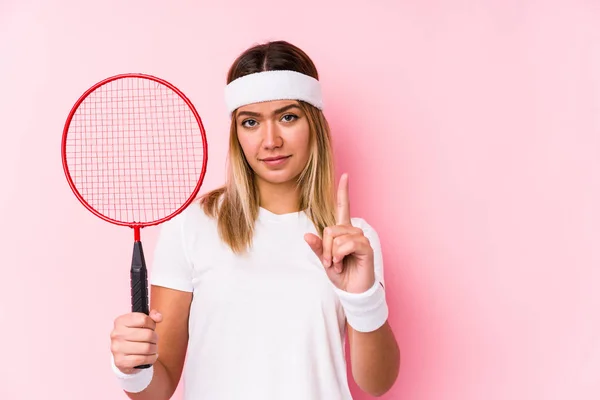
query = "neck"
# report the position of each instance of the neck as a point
(280, 198)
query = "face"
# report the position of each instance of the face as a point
(275, 138)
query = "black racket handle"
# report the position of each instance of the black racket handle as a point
(139, 284)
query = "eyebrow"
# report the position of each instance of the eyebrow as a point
(278, 111)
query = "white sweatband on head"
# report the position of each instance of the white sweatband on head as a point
(133, 383)
(273, 85)
(367, 311)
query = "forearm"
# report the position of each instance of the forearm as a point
(375, 359)
(161, 387)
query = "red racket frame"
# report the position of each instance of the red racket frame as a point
(136, 226)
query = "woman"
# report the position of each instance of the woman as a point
(257, 283)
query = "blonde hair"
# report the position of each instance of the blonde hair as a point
(236, 204)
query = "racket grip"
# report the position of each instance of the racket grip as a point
(139, 284)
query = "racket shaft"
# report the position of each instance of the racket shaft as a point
(139, 281)
(139, 284)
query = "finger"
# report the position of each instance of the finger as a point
(329, 234)
(132, 361)
(134, 348)
(140, 335)
(345, 245)
(156, 316)
(339, 230)
(125, 334)
(338, 265)
(139, 320)
(342, 246)
(327, 246)
(315, 243)
(343, 202)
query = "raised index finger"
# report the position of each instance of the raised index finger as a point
(343, 202)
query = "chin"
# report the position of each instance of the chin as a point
(277, 177)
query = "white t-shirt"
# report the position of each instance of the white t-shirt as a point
(266, 325)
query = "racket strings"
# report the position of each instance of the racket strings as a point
(134, 150)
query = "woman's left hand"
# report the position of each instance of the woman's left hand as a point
(345, 251)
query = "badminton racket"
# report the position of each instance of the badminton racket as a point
(134, 154)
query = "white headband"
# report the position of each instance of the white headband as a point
(273, 85)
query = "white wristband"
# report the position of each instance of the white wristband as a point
(133, 383)
(367, 311)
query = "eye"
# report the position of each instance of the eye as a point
(249, 123)
(289, 117)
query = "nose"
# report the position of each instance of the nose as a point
(272, 137)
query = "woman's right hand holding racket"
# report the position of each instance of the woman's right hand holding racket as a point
(134, 341)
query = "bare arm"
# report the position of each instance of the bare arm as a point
(172, 331)
(375, 359)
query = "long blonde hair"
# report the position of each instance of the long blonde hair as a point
(236, 204)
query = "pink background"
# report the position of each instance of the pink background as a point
(471, 134)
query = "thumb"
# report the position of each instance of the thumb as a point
(156, 316)
(315, 243)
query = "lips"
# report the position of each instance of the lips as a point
(277, 158)
(275, 162)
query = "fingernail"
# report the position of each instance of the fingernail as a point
(327, 262)
(335, 259)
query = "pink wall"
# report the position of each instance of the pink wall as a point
(471, 135)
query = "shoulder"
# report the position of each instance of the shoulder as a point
(371, 234)
(192, 220)
(368, 230)
(363, 224)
